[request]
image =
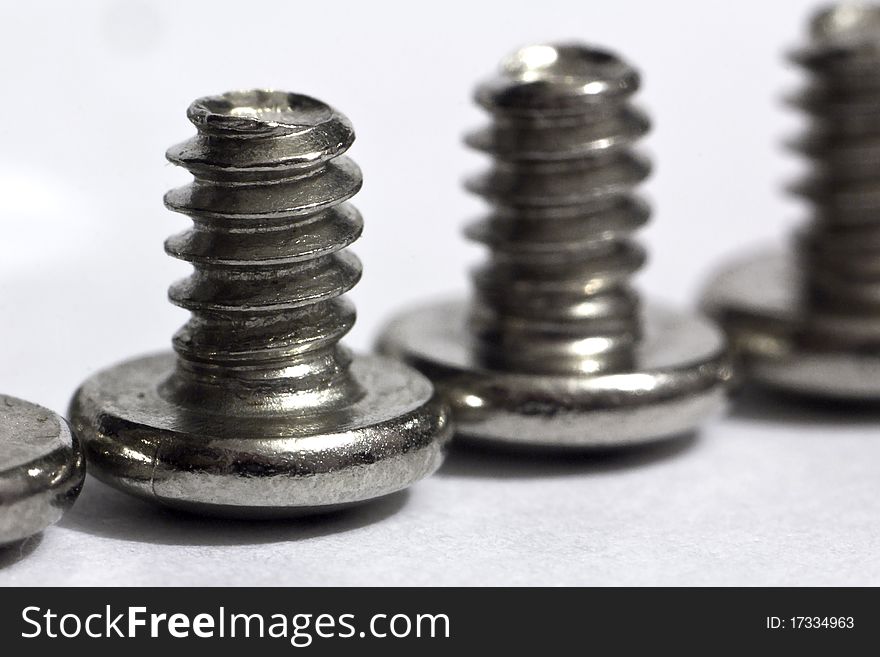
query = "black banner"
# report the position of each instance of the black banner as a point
(433, 621)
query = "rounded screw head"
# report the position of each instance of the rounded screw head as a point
(679, 378)
(41, 468)
(266, 464)
(782, 343)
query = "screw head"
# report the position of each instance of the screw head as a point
(262, 465)
(781, 343)
(680, 377)
(41, 468)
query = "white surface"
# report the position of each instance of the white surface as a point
(93, 93)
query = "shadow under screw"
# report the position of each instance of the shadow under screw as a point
(12, 553)
(106, 512)
(762, 405)
(473, 459)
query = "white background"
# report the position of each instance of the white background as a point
(94, 92)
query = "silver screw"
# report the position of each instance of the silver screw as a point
(554, 349)
(41, 469)
(807, 321)
(263, 412)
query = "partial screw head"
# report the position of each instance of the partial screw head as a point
(262, 412)
(41, 469)
(554, 350)
(781, 342)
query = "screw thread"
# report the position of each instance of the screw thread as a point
(556, 295)
(840, 247)
(270, 222)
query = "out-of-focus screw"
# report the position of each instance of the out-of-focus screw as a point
(555, 349)
(41, 469)
(808, 321)
(263, 412)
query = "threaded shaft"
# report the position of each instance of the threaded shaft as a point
(269, 225)
(555, 295)
(840, 247)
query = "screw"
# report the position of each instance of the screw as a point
(41, 469)
(263, 412)
(554, 349)
(807, 321)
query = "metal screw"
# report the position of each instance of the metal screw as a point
(263, 412)
(808, 321)
(554, 349)
(41, 469)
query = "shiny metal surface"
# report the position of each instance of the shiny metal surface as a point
(554, 348)
(807, 320)
(782, 343)
(41, 469)
(672, 386)
(262, 412)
